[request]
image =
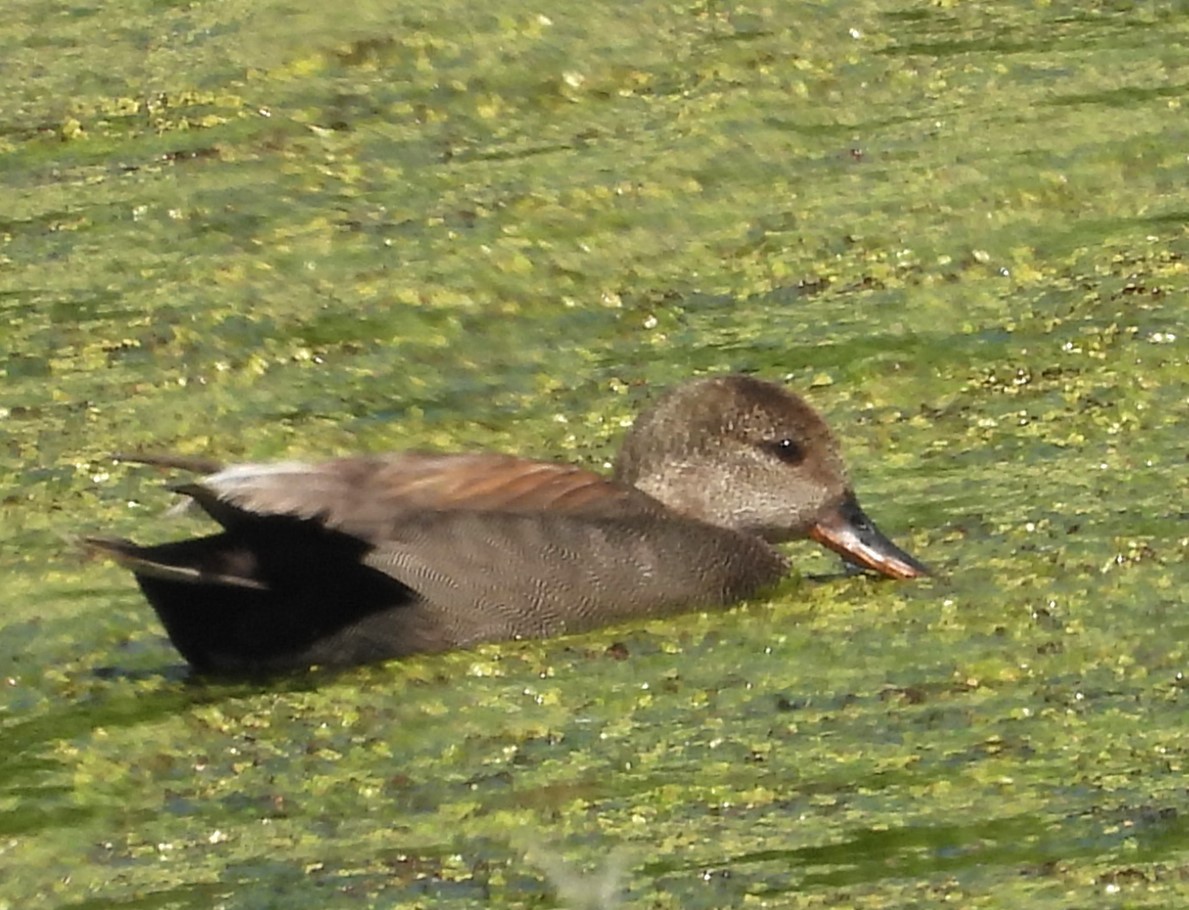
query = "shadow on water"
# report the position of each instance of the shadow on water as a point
(199, 895)
(29, 772)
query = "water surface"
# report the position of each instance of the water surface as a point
(242, 230)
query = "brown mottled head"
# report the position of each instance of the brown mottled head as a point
(737, 452)
(748, 455)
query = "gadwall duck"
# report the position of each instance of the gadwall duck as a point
(371, 557)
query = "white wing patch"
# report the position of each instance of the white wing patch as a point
(247, 476)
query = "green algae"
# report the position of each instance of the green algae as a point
(961, 228)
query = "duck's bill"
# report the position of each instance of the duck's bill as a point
(848, 531)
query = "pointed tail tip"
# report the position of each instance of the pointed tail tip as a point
(116, 548)
(196, 464)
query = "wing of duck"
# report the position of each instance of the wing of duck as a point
(367, 496)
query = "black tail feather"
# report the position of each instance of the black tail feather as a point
(277, 594)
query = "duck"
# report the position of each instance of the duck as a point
(368, 558)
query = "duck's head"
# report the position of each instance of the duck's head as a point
(749, 455)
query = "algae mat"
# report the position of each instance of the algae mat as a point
(257, 230)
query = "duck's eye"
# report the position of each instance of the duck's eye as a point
(787, 450)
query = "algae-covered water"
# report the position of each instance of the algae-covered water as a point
(259, 230)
